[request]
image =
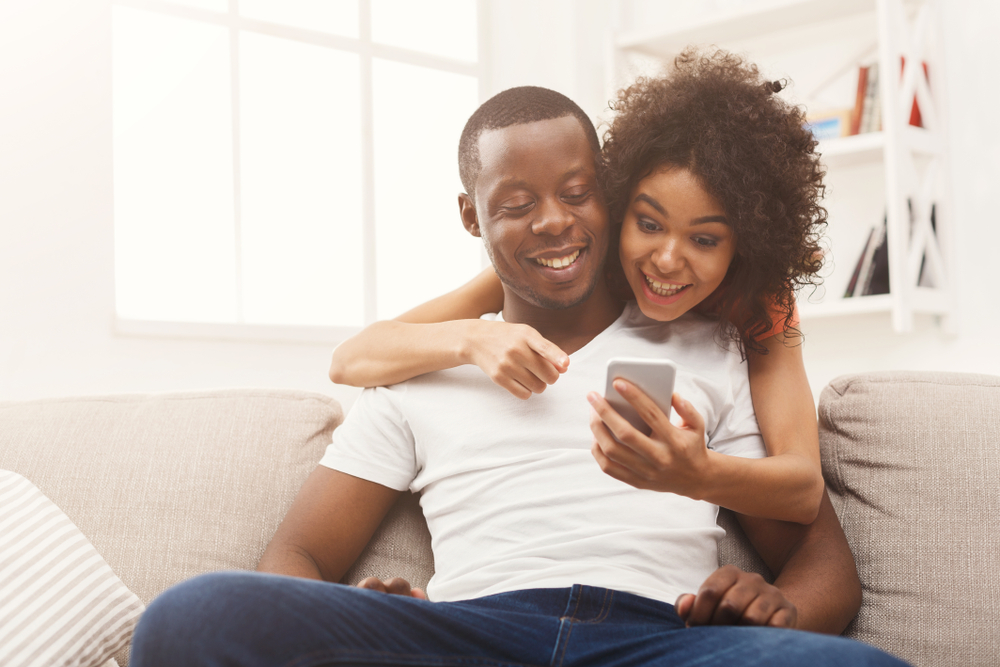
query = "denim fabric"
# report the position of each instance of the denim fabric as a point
(253, 620)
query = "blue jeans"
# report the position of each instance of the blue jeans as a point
(252, 620)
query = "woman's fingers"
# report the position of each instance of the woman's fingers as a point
(648, 410)
(692, 418)
(618, 426)
(550, 352)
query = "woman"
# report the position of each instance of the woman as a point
(716, 187)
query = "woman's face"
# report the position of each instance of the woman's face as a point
(676, 243)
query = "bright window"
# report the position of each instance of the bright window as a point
(290, 162)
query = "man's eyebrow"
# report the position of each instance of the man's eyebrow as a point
(705, 219)
(514, 182)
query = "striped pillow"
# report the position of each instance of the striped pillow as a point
(60, 603)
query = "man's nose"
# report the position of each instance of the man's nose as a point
(552, 218)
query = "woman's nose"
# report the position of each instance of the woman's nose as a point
(669, 256)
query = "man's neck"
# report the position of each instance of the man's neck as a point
(569, 328)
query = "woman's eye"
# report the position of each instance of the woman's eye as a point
(577, 194)
(705, 242)
(647, 225)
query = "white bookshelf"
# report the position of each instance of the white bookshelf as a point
(869, 176)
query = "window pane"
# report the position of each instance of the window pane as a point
(423, 250)
(439, 27)
(211, 5)
(339, 17)
(174, 257)
(300, 183)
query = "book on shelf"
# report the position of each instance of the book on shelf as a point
(925, 278)
(916, 119)
(859, 265)
(829, 124)
(871, 106)
(867, 113)
(877, 278)
(859, 101)
(871, 271)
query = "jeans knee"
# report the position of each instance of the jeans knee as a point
(182, 623)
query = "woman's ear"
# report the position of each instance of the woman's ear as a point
(467, 209)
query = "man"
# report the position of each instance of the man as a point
(540, 557)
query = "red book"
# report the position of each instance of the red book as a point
(915, 119)
(860, 100)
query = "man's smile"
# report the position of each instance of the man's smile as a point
(561, 265)
(558, 262)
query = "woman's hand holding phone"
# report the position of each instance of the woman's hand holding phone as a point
(671, 458)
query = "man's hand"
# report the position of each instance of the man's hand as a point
(731, 596)
(394, 586)
(672, 458)
(515, 356)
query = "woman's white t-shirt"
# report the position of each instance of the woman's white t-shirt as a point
(512, 496)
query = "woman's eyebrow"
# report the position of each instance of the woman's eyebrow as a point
(705, 219)
(709, 218)
(652, 202)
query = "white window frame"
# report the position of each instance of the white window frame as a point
(367, 50)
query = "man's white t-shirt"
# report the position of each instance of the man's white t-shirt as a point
(512, 496)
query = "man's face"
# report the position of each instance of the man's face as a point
(539, 211)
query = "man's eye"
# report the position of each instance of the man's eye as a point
(516, 206)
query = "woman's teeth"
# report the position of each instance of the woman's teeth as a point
(663, 289)
(558, 262)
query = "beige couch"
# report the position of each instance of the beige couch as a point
(168, 486)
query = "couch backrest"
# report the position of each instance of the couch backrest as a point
(167, 486)
(171, 485)
(912, 463)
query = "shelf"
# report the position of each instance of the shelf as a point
(856, 149)
(925, 300)
(855, 305)
(870, 147)
(758, 19)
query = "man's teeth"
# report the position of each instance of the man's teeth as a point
(663, 289)
(558, 262)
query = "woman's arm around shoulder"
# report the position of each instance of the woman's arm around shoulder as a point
(447, 332)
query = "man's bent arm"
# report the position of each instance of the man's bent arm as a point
(332, 519)
(813, 565)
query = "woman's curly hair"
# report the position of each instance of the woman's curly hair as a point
(716, 116)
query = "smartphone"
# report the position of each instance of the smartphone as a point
(655, 377)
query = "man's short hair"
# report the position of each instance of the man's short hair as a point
(514, 106)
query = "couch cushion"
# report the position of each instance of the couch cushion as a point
(167, 486)
(912, 461)
(60, 603)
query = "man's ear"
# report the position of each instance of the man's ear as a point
(467, 209)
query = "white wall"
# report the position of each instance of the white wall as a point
(56, 226)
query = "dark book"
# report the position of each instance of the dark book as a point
(926, 278)
(877, 280)
(853, 283)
